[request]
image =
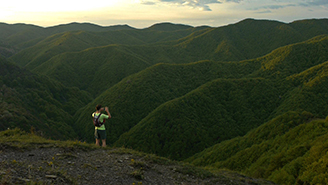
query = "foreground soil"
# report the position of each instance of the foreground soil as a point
(57, 165)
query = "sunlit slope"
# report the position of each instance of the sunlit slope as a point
(219, 110)
(276, 150)
(30, 101)
(294, 58)
(310, 93)
(137, 95)
(286, 150)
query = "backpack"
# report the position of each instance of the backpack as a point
(96, 121)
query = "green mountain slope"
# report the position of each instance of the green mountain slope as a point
(294, 58)
(14, 34)
(95, 69)
(248, 39)
(250, 106)
(139, 57)
(244, 40)
(217, 111)
(80, 40)
(36, 55)
(30, 101)
(74, 26)
(287, 148)
(311, 27)
(136, 96)
(167, 26)
(7, 30)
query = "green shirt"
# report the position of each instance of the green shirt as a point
(101, 119)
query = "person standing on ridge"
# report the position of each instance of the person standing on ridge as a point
(99, 120)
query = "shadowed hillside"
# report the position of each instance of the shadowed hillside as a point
(33, 102)
(71, 41)
(15, 37)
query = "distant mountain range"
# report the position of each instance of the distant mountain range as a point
(206, 95)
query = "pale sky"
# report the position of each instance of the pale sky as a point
(144, 13)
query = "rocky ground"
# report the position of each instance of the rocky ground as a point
(57, 165)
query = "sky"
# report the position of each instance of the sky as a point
(144, 13)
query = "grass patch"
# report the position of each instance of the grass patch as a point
(138, 174)
(18, 139)
(138, 164)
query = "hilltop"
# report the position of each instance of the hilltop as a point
(31, 159)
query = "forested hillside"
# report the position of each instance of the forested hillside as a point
(138, 95)
(37, 103)
(237, 96)
(290, 149)
(229, 108)
(161, 43)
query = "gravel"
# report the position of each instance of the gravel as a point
(103, 166)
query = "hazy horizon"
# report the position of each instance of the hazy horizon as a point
(144, 13)
(176, 23)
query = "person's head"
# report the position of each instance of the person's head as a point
(99, 108)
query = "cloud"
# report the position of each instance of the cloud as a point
(264, 12)
(309, 3)
(148, 3)
(202, 5)
(272, 7)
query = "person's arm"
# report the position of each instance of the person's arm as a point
(109, 116)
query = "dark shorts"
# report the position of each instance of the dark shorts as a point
(100, 134)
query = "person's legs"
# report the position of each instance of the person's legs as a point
(102, 136)
(104, 143)
(97, 142)
(97, 137)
